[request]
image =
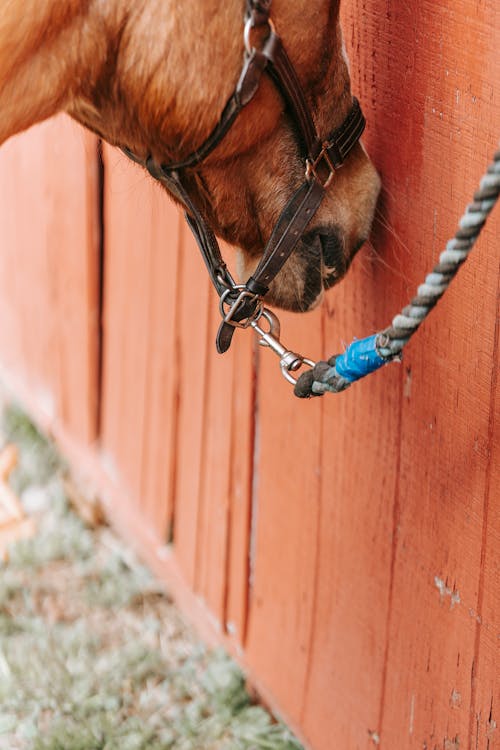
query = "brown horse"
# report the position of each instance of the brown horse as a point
(154, 75)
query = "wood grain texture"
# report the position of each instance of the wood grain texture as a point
(241, 490)
(223, 520)
(192, 358)
(285, 523)
(140, 377)
(483, 717)
(214, 507)
(401, 524)
(49, 271)
(445, 408)
(214, 458)
(359, 469)
(345, 549)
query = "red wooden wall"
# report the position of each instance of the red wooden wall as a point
(49, 272)
(345, 549)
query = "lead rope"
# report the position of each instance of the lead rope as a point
(367, 355)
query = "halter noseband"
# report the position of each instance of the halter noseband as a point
(241, 305)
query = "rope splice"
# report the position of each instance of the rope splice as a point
(367, 355)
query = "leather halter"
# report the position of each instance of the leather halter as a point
(241, 304)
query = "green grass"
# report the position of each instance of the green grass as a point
(93, 654)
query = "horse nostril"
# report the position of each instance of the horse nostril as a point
(332, 249)
(330, 243)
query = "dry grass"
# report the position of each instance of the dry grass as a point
(93, 654)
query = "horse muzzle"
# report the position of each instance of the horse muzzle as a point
(319, 261)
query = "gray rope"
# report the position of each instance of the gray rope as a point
(368, 355)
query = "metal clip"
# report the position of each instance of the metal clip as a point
(289, 361)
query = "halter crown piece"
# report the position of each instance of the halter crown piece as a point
(242, 305)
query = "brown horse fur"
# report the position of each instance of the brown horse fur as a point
(155, 74)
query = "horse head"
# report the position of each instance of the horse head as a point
(154, 75)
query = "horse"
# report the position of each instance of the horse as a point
(155, 75)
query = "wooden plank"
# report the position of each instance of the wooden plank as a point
(224, 523)
(325, 675)
(484, 722)
(359, 464)
(441, 517)
(439, 513)
(125, 318)
(214, 504)
(192, 353)
(285, 521)
(49, 271)
(160, 428)
(139, 339)
(241, 488)
(438, 551)
(362, 432)
(355, 615)
(220, 429)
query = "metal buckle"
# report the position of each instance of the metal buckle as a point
(312, 165)
(229, 307)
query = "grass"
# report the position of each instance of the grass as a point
(93, 654)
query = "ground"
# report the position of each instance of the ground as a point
(93, 653)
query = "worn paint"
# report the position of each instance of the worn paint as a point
(445, 591)
(455, 699)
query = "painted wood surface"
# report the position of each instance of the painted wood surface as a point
(345, 549)
(176, 420)
(139, 340)
(49, 272)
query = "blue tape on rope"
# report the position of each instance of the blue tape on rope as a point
(359, 359)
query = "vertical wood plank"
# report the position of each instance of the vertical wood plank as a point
(160, 429)
(441, 483)
(440, 523)
(241, 488)
(49, 272)
(357, 619)
(285, 524)
(140, 318)
(193, 342)
(213, 524)
(223, 500)
(484, 724)
(359, 467)
(214, 455)
(443, 477)
(224, 531)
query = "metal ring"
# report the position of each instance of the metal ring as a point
(288, 375)
(249, 25)
(225, 294)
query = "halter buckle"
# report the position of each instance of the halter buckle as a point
(228, 308)
(312, 165)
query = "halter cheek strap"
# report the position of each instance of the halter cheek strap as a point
(241, 304)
